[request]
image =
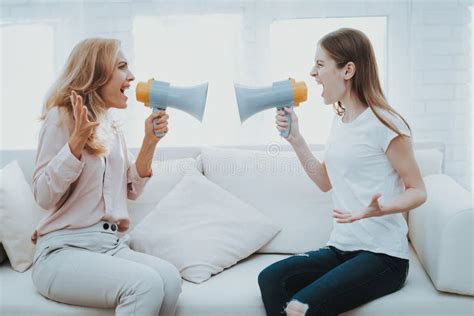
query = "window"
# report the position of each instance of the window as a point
(185, 51)
(27, 73)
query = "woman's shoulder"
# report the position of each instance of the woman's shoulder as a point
(393, 120)
(57, 117)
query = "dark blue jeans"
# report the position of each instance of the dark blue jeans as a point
(330, 281)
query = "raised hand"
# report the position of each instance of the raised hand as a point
(83, 128)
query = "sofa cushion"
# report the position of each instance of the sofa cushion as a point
(201, 229)
(166, 174)
(235, 292)
(19, 215)
(418, 297)
(276, 184)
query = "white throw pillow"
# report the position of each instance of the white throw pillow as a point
(166, 174)
(19, 215)
(202, 229)
(275, 183)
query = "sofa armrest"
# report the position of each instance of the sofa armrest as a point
(442, 233)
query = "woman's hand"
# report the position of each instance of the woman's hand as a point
(282, 124)
(83, 128)
(161, 126)
(374, 209)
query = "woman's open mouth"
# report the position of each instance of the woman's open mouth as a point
(319, 83)
(122, 91)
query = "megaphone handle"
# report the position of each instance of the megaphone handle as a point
(155, 122)
(286, 132)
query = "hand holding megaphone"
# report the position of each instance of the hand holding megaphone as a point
(286, 93)
(283, 123)
(156, 124)
(158, 95)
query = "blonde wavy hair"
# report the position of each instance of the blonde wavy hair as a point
(349, 45)
(88, 68)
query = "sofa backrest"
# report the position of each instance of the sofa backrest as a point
(269, 177)
(26, 157)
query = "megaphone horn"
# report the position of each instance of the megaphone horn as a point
(285, 93)
(159, 95)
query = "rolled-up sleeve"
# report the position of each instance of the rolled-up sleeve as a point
(56, 168)
(135, 183)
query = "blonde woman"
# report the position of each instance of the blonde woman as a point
(370, 167)
(83, 176)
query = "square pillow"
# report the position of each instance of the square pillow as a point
(201, 229)
(19, 215)
(166, 174)
(275, 182)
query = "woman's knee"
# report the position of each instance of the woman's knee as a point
(148, 282)
(173, 281)
(268, 277)
(171, 278)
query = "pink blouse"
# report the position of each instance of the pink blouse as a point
(80, 193)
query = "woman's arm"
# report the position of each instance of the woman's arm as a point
(401, 156)
(56, 167)
(145, 155)
(313, 167)
(140, 171)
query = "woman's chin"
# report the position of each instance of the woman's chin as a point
(120, 106)
(328, 101)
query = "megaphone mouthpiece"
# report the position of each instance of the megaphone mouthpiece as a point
(300, 91)
(143, 92)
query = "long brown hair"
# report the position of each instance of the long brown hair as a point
(349, 45)
(89, 67)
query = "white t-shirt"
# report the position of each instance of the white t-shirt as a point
(358, 167)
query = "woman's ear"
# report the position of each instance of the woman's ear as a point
(350, 70)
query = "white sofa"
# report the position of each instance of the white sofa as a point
(440, 231)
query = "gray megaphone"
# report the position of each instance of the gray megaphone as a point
(159, 95)
(285, 93)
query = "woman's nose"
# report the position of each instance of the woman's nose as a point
(130, 77)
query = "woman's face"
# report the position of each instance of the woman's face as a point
(113, 92)
(329, 76)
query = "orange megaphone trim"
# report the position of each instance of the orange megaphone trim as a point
(143, 92)
(300, 91)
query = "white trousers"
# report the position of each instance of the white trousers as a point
(93, 267)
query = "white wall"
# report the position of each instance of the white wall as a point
(429, 52)
(441, 80)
